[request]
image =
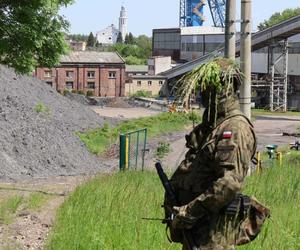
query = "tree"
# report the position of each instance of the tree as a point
(279, 17)
(32, 33)
(91, 40)
(119, 38)
(145, 43)
(77, 37)
(127, 39)
(130, 38)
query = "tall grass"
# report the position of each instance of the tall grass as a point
(97, 140)
(278, 188)
(106, 212)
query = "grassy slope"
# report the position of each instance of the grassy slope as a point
(98, 140)
(256, 112)
(106, 212)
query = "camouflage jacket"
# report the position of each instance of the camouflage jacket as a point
(213, 171)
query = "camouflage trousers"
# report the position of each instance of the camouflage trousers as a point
(218, 233)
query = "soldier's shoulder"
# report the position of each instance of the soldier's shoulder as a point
(236, 123)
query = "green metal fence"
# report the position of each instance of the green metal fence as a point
(132, 149)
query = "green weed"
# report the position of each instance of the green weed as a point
(8, 208)
(162, 149)
(35, 201)
(42, 108)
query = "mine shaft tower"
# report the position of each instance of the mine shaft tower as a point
(191, 12)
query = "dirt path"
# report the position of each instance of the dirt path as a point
(30, 227)
(122, 113)
(269, 130)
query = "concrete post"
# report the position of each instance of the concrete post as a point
(285, 74)
(246, 27)
(230, 29)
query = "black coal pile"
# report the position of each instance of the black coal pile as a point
(37, 130)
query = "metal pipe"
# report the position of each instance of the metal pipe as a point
(246, 27)
(230, 29)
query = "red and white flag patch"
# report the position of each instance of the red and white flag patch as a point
(227, 134)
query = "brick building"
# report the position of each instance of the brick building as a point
(103, 73)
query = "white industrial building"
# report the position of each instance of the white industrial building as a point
(109, 35)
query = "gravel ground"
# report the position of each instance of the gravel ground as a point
(42, 144)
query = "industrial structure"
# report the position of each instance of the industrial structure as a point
(191, 12)
(275, 60)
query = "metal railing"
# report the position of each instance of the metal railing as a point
(132, 149)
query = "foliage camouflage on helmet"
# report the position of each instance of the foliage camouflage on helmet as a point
(219, 78)
(217, 75)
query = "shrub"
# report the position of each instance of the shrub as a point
(80, 92)
(90, 93)
(66, 91)
(74, 91)
(142, 93)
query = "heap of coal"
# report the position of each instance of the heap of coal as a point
(37, 130)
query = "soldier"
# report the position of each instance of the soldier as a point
(208, 180)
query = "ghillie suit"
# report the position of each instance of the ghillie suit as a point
(208, 181)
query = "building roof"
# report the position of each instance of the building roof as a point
(136, 68)
(93, 57)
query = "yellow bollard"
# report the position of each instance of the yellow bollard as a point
(259, 166)
(126, 152)
(279, 158)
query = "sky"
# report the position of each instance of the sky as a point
(87, 16)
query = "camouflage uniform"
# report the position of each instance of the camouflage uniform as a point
(209, 177)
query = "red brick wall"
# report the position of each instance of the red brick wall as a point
(104, 85)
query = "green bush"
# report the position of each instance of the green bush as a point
(132, 60)
(90, 93)
(66, 91)
(142, 93)
(80, 92)
(74, 91)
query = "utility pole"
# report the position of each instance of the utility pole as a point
(230, 29)
(246, 27)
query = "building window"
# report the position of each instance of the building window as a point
(91, 74)
(49, 83)
(149, 83)
(139, 83)
(160, 83)
(112, 74)
(69, 74)
(48, 73)
(91, 85)
(69, 85)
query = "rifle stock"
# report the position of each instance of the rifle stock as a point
(188, 237)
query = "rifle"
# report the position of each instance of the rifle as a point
(188, 237)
